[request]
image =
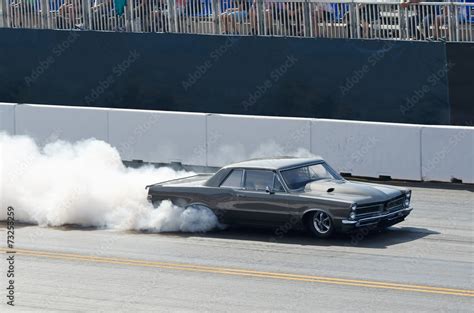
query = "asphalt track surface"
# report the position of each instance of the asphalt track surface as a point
(425, 264)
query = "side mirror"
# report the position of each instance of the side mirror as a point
(269, 190)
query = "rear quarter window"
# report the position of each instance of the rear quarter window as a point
(234, 179)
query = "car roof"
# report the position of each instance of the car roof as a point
(276, 163)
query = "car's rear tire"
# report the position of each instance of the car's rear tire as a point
(320, 224)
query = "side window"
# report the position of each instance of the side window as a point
(258, 179)
(233, 179)
(277, 186)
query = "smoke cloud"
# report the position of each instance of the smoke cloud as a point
(226, 154)
(86, 183)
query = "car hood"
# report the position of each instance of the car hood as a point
(361, 193)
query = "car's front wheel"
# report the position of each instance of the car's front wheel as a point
(320, 224)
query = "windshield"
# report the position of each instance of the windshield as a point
(297, 178)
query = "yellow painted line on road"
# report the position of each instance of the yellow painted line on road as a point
(247, 273)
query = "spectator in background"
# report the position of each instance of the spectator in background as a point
(237, 13)
(101, 11)
(54, 5)
(458, 15)
(160, 15)
(67, 14)
(419, 20)
(180, 7)
(25, 13)
(369, 16)
(273, 11)
(141, 15)
(15, 13)
(292, 18)
(102, 6)
(181, 11)
(321, 15)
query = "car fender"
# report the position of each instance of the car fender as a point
(309, 210)
(197, 204)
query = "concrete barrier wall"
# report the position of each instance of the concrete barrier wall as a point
(447, 153)
(369, 149)
(48, 123)
(411, 152)
(157, 136)
(7, 118)
(232, 138)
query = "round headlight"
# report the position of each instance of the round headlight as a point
(407, 199)
(352, 215)
(353, 207)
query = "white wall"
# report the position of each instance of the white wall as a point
(232, 138)
(369, 149)
(7, 117)
(448, 152)
(159, 136)
(48, 123)
(412, 152)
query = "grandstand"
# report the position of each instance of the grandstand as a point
(355, 19)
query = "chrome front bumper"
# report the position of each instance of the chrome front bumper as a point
(378, 218)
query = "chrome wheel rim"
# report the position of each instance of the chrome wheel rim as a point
(322, 222)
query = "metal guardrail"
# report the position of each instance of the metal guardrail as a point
(358, 19)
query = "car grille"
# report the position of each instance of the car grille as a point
(384, 207)
(395, 204)
(369, 209)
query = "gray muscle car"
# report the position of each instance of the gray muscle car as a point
(305, 192)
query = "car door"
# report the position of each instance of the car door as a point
(255, 205)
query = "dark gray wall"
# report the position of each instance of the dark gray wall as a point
(345, 79)
(461, 83)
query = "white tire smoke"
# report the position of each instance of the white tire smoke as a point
(86, 183)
